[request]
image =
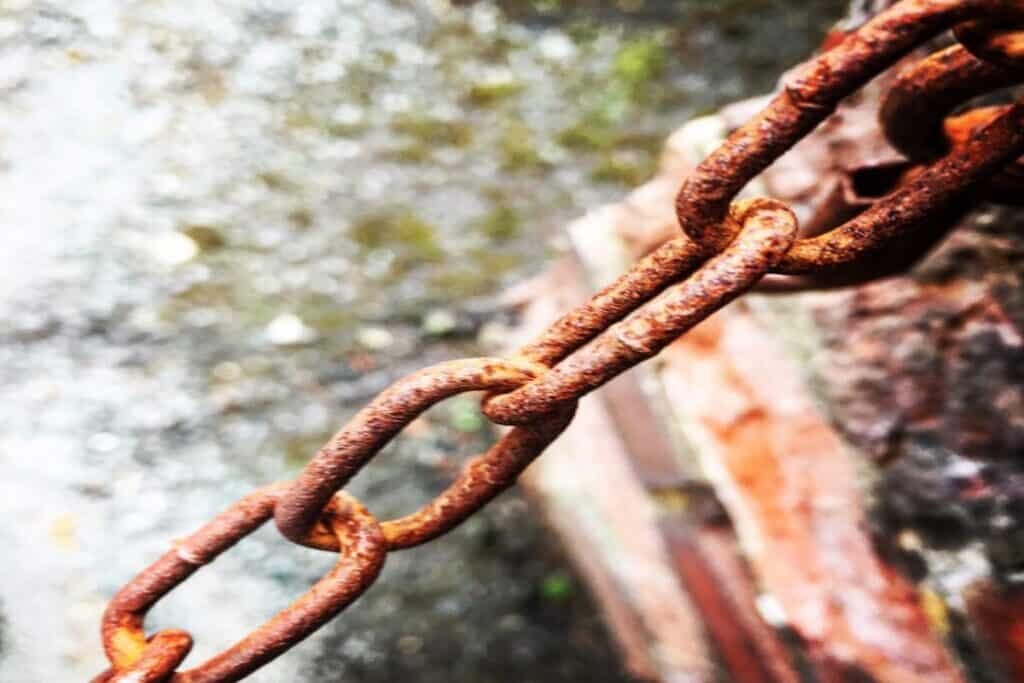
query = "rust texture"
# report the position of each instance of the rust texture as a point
(715, 578)
(791, 491)
(996, 38)
(937, 344)
(362, 550)
(481, 479)
(913, 113)
(924, 197)
(158, 660)
(999, 613)
(727, 249)
(625, 559)
(600, 503)
(767, 233)
(807, 98)
(374, 426)
(652, 274)
(926, 374)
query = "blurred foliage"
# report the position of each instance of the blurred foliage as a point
(557, 587)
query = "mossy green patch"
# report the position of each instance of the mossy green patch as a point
(278, 181)
(592, 131)
(401, 231)
(322, 312)
(452, 283)
(465, 416)
(488, 92)
(415, 152)
(640, 60)
(518, 148)
(206, 237)
(500, 224)
(494, 264)
(410, 241)
(546, 6)
(632, 78)
(557, 587)
(627, 169)
(433, 130)
(299, 117)
(343, 129)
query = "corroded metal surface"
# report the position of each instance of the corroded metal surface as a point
(807, 98)
(995, 39)
(914, 110)
(362, 548)
(792, 493)
(652, 274)
(998, 613)
(728, 248)
(713, 574)
(768, 232)
(374, 426)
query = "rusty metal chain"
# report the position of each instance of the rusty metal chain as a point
(727, 248)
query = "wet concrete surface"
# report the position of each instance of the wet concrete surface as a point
(226, 225)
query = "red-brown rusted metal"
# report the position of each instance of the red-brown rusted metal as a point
(914, 108)
(998, 38)
(362, 549)
(376, 424)
(999, 613)
(900, 253)
(923, 198)
(159, 658)
(915, 111)
(481, 480)
(923, 204)
(807, 98)
(728, 247)
(666, 265)
(747, 650)
(767, 232)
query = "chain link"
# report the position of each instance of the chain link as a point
(727, 248)
(362, 549)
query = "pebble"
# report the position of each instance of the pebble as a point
(556, 46)
(374, 338)
(439, 321)
(174, 248)
(289, 330)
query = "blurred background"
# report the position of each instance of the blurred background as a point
(227, 225)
